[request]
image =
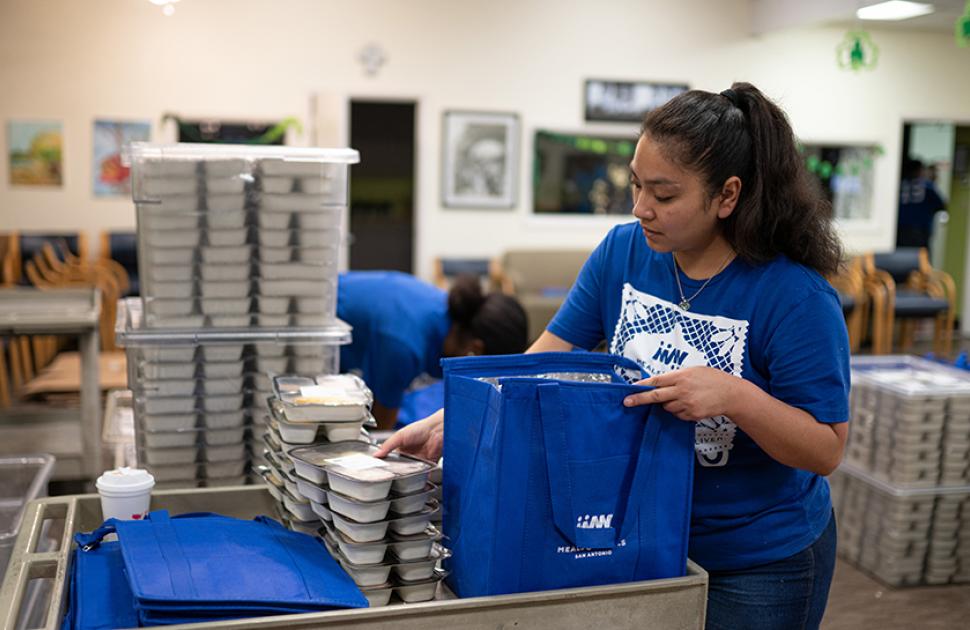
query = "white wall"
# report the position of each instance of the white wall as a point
(78, 60)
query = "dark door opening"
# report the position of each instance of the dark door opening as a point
(382, 185)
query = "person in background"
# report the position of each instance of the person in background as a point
(717, 290)
(403, 327)
(918, 202)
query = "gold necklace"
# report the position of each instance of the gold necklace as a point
(684, 303)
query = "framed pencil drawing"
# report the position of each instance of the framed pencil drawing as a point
(480, 159)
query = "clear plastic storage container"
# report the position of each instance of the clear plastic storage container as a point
(222, 226)
(910, 421)
(22, 479)
(195, 393)
(903, 536)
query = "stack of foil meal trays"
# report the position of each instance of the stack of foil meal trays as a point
(902, 496)
(237, 250)
(374, 515)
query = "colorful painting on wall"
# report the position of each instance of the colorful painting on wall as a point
(35, 150)
(111, 177)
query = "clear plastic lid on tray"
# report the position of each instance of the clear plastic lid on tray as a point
(902, 491)
(332, 397)
(910, 376)
(178, 169)
(355, 461)
(130, 331)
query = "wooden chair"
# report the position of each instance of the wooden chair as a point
(913, 290)
(121, 248)
(447, 269)
(15, 352)
(850, 284)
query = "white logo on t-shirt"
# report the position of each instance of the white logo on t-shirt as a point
(661, 337)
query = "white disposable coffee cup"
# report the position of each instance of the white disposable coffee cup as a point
(125, 493)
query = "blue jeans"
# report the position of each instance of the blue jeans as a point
(789, 594)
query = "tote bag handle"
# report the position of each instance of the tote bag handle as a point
(539, 363)
(560, 483)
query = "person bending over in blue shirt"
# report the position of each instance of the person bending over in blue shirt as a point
(402, 327)
(717, 290)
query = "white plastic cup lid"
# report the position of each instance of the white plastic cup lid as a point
(125, 481)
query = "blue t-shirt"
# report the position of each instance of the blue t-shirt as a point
(400, 324)
(778, 325)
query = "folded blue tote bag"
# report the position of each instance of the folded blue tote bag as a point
(99, 597)
(203, 567)
(550, 482)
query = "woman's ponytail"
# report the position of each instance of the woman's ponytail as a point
(498, 320)
(739, 132)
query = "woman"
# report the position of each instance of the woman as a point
(718, 291)
(402, 327)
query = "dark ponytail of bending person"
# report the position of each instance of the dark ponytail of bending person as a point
(739, 132)
(497, 320)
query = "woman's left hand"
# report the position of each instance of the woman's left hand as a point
(693, 393)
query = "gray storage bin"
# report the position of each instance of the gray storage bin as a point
(22, 479)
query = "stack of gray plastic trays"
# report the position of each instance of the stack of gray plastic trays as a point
(303, 504)
(902, 496)
(196, 393)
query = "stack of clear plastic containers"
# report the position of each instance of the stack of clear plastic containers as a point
(903, 494)
(236, 236)
(237, 251)
(196, 393)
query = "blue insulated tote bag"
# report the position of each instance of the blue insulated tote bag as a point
(550, 482)
(99, 597)
(207, 566)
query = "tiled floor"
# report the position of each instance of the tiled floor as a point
(858, 602)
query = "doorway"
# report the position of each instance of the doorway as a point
(942, 149)
(382, 186)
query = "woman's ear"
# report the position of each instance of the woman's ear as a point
(727, 199)
(475, 347)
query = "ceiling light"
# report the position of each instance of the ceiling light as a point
(168, 6)
(894, 10)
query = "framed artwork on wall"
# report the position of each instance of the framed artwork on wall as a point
(34, 151)
(110, 176)
(480, 159)
(581, 174)
(625, 101)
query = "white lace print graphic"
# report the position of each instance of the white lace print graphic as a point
(661, 337)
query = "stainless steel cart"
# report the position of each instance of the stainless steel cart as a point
(671, 604)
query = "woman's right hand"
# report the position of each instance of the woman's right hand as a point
(424, 438)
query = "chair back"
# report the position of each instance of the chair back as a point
(453, 267)
(32, 244)
(900, 263)
(543, 271)
(122, 247)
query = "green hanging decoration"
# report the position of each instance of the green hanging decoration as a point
(857, 51)
(961, 28)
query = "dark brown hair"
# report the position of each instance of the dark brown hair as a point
(497, 319)
(781, 209)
